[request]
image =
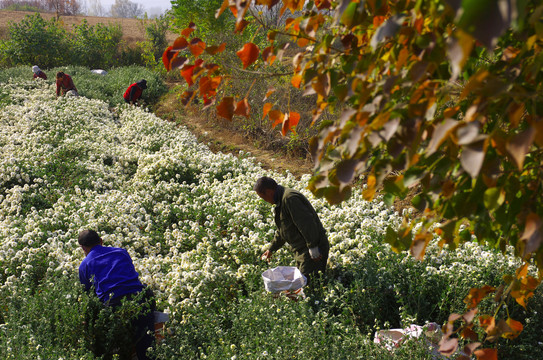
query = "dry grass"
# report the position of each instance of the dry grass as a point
(133, 29)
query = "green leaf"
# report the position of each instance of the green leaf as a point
(353, 14)
(389, 199)
(493, 198)
(419, 203)
(401, 240)
(486, 20)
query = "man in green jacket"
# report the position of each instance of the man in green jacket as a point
(298, 225)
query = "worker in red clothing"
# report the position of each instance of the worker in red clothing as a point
(134, 91)
(65, 85)
(38, 73)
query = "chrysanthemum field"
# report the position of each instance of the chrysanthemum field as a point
(195, 231)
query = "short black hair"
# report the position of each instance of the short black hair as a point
(142, 84)
(60, 74)
(264, 183)
(89, 238)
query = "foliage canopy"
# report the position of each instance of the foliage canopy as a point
(440, 96)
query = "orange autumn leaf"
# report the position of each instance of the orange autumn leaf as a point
(487, 322)
(486, 354)
(223, 7)
(270, 91)
(212, 50)
(167, 57)
(266, 109)
(268, 3)
(248, 54)
(477, 294)
(302, 42)
(369, 192)
(323, 4)
(419, 22)
(243, 108)
(450, 112)
(186, 32)
(296, 81)
(276, 117)
(178, 62)
(268, 55)
(290, 122)
(290, 22)
(186, 97)
(197, 46)
(180, 43)
(208, 101)
(186, 73)
(378, 20)
(241, 25)
(516, 329)
(226, 108)
(208, 85)
(294, 5)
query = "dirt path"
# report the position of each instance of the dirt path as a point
(221, 136)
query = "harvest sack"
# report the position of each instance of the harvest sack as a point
(283, 278)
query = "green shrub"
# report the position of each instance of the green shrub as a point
(58, 319)
(95, 46)
(35, 41)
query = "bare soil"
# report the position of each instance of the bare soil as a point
(222, 135)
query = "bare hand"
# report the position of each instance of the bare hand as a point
(266, 256)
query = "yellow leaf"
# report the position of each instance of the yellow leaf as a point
(369, 192)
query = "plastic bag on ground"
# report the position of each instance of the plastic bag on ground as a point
(283, 278)
(393, 338)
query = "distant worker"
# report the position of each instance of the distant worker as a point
(298, 225)
(38, 73)
(65, 85)
(134, 91)
(112, 274)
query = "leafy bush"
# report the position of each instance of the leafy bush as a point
(95, 46)
(56, 318)
(36, 41)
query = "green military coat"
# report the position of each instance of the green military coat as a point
(299, 226)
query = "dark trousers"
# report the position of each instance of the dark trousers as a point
(144, 324)
(309, 267)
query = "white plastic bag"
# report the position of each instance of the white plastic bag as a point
(99, 72)
(283, 278)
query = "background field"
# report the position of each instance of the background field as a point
(133, 29)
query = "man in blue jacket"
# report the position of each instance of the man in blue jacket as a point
(111, 271)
